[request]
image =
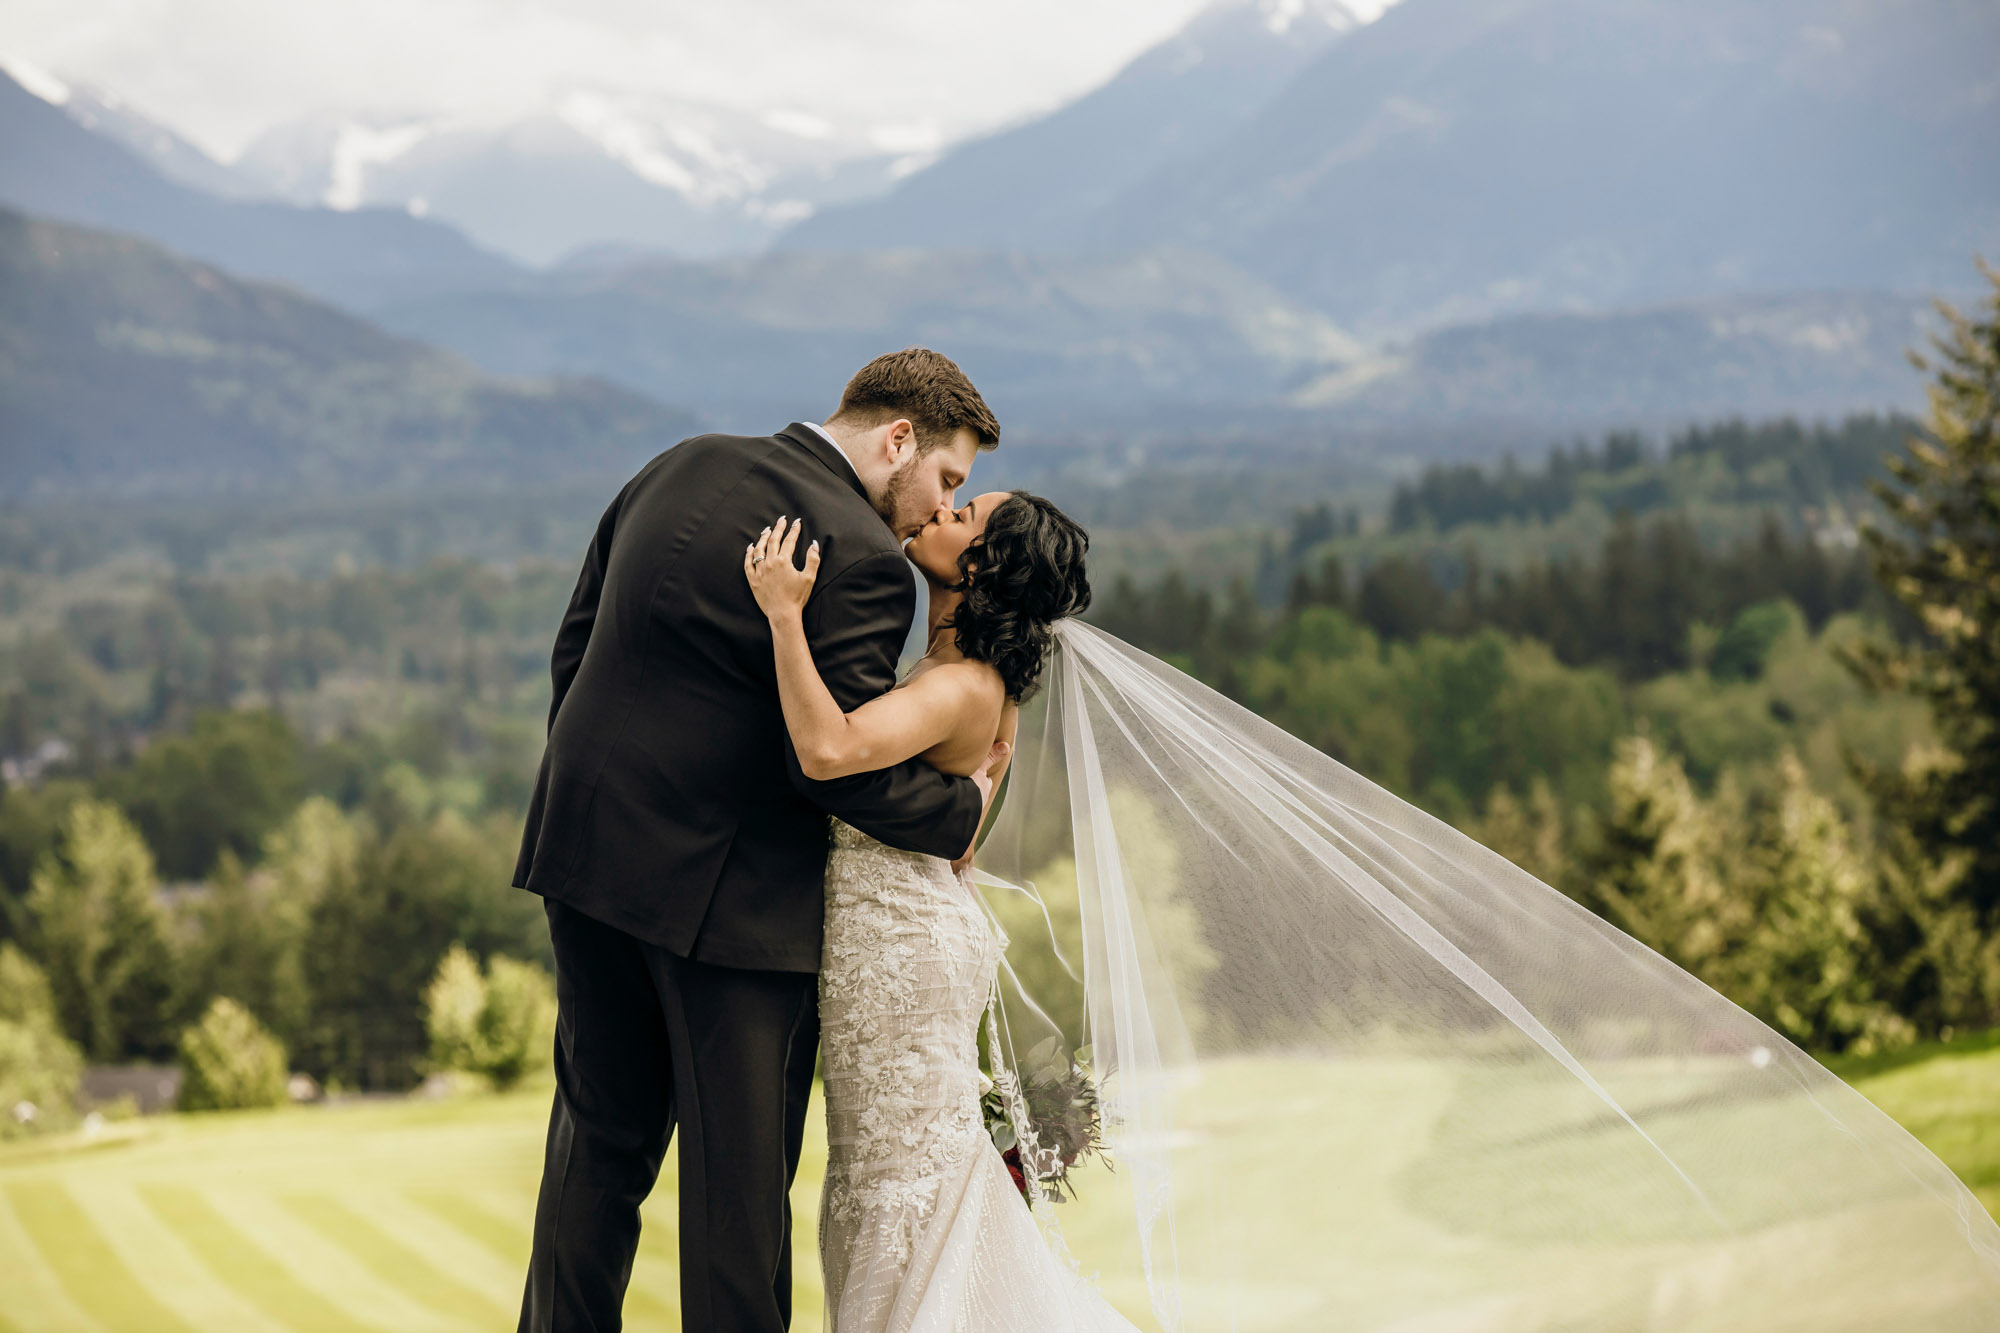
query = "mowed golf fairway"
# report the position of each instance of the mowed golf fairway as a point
(414, 1215)
(369, 1216)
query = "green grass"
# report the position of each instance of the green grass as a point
(375, 1217)
(415, 1215)
(1948, 1095)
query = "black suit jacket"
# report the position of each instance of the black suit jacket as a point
(670, 802)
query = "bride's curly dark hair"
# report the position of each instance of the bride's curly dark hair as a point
(1022, 575)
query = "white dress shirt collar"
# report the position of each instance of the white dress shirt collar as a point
(836, 447)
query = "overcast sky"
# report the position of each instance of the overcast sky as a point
(222, 70)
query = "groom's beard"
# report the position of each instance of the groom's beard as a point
(897, 507)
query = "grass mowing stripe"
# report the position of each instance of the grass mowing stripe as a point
(84, 1262)
(645, 1305)
(34, 1299)
(161, 1261)
(244, 1265)
(390, 1260)
(511, 1243)
(507, 1241)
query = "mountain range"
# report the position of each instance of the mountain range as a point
(1475, 217)
(62, 167)
(1458, 159)
(1053, 339)
(129, 370)
(595, 169)
(1039, 185)
(1171, 339)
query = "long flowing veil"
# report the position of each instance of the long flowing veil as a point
(1360, 1073)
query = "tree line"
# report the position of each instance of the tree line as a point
(1587, 716)
(1783, 464)
(324, 922)
(1635, 605)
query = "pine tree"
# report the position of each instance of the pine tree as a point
(103, 938)
(1654, 868)
(1805, 966)
(1940, 558)
(1531, 834)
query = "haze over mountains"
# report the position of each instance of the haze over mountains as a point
(1557, 214)
(129, 370)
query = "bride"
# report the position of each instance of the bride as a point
(1357, 1071)
(922, 1227)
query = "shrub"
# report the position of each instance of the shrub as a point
(229, 1061)
(38, 1065)
(498, 1025)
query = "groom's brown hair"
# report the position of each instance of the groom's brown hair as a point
(923, 386)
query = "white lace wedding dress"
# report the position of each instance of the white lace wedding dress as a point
(921, 1228)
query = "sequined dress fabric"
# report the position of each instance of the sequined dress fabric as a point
(921, 1228)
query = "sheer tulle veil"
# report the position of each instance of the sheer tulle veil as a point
(1361, 1073)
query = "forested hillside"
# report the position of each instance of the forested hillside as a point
(1819, 473)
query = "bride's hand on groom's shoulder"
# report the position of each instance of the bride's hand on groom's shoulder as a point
(780, 587)
(985, 779)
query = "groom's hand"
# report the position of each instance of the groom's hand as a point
(984, 779)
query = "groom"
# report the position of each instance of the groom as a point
(680, 850)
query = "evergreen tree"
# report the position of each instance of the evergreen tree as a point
(1933, 960)
(315, 848)
(1805, 966)
(31, 820)
(1532, 833)
(102, 937)
(1654, 867)
(1940, 558)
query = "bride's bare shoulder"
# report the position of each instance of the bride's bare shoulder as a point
(967, 680)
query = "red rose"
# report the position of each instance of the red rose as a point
(1012, 1157)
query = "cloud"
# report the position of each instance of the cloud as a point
(221, 71)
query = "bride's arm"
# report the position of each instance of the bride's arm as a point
(831, 743)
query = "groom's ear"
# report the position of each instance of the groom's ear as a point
(900, 439)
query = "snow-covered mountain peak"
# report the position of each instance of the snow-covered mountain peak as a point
(1298, 24)
(1281, 16)
(358, 149)
(41, 82)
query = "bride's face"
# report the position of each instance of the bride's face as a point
(935, 548)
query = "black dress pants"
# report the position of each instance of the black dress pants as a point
(646, 1043)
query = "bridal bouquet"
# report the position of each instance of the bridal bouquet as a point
(1044, 1119)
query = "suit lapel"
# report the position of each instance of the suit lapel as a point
(811, 441)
